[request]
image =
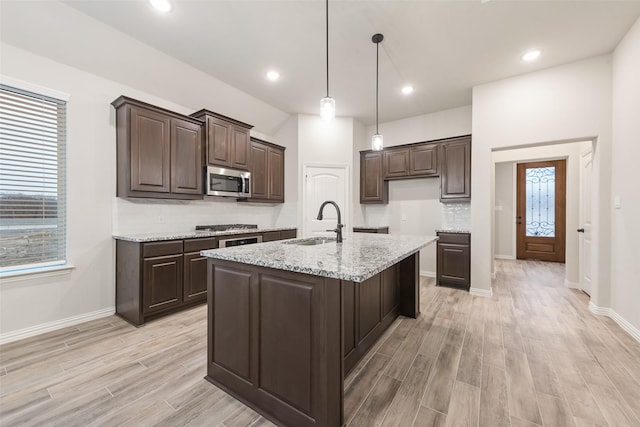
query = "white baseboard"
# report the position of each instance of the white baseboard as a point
(573, 285)
(621, 321)
(55, 325)
(504, 257)
(479, 292)
(601, 311)
(428, 273)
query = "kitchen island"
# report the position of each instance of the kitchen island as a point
(288, 320)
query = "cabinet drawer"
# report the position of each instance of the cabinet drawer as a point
(270, 236)
(162, 248)
(193, 245)
(288, 234)
(455, 238)
(378, 230)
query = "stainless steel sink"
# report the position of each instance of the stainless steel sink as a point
(311, 241)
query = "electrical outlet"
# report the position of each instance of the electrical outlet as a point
(617, 203)
(161, 219)
(403, 217)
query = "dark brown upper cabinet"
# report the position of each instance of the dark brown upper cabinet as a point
(448, 158)
(267, 172)
(158, 152)
(455, 183)
(186, 157)
(396, 163)
(423, 160)
(227, 140)
(373, 188)
(418, 160)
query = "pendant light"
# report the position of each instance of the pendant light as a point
(376, 140)
(327, 104)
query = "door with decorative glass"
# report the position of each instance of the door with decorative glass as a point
(541, 210)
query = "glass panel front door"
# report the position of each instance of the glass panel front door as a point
(540, 196)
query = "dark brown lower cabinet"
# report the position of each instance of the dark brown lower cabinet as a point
(368, 309)
(162, 283)
(195, 269)
(154, 279)
(281, 342)
(271, 236)
(378, 230)
(454, 260)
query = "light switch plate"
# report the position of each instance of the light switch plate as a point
(617, 203)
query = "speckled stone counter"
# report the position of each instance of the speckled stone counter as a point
(357, 258)
(168, 235)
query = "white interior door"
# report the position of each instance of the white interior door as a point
(324, 183)
(586, 160)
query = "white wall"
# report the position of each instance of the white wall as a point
(567, 103)
(287, 136)
(504, 211)
(65, 35)
(359, 132)
(625, 230)
(505, 184)
(442, 124)
(323, 143)
(35, 304)
(417, 200)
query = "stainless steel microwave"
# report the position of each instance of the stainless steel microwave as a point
(228, 182)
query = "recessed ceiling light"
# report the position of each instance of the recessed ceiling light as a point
(273, 75)
(531, 55)
(407, 90)
(161, 5)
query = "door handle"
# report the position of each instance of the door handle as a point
(580, 230)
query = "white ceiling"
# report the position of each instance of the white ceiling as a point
(442, 48)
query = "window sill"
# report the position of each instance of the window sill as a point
(36, 273)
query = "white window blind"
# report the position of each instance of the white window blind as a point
(33, 224)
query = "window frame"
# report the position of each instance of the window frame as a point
(47, 268)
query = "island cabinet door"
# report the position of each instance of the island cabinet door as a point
(390, 290)
(275, 341)
(368, 308)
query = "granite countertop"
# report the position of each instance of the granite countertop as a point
(167, 235)
(453, 230)
(357, 258)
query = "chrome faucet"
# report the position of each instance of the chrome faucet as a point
(338, 229)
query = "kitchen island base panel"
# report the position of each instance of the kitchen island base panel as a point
(278, 340)
(274, 342)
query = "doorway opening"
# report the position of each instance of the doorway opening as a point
(578, 203)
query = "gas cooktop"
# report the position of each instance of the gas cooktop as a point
(226, 227)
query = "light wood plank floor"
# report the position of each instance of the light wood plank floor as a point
(531, 355)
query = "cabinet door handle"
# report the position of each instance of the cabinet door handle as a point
(580, 230)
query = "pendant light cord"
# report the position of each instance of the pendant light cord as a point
(327, 26)
(377, 53)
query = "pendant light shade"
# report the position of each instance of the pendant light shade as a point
(327, 108)
(327, 104)
(376, 140)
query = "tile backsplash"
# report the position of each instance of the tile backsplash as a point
(132, 216)
(456, 216)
